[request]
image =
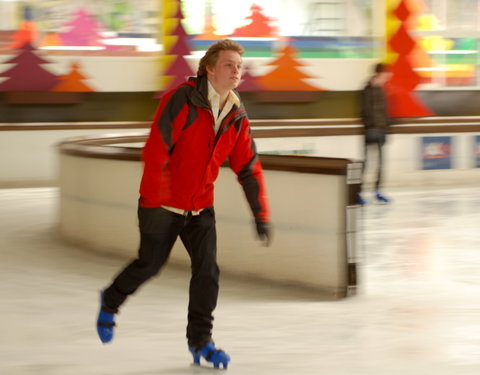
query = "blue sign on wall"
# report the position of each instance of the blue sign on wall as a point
(477, 151)
(436, 152)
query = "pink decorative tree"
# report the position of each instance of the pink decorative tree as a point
(27, 74)
(84, 30)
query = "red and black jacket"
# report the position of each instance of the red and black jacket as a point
(182, 155)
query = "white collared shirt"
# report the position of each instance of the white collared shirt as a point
(214, 99)
(182, 212)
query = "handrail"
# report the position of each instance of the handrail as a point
(105, 147)
(271, 128)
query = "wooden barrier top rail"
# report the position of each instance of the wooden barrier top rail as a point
(113, 147)
(271, 128)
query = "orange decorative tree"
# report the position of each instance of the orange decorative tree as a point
(286, 76)
(73, 81)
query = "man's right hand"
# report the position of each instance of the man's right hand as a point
(264, 231)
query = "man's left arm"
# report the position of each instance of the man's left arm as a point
(245, 163)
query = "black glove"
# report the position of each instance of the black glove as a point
(264, 231)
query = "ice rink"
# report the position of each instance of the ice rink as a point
(417, 311)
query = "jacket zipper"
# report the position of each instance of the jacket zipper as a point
(216, 139)
(213, 147)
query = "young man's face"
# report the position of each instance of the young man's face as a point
(226, 73)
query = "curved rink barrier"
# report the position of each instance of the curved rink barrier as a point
(312, 204)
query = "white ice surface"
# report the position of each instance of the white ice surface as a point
(417, 311)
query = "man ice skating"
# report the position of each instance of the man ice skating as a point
(376, 120)
(196, 128)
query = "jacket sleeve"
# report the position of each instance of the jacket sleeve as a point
(366, 107)
(246, 165)
(165, 129)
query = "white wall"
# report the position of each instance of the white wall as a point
(328, 74)
(104, 73)
(29, 158)
(402, 156)
(115, 73)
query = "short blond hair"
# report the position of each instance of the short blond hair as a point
(211, 56)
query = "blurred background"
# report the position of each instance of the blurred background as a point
(72, 62)
(125, 46)
(76, 69)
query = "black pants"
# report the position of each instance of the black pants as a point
(378, 146)
(159, 230)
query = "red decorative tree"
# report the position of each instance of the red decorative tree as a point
(27, 33)
(286, 77)
(181, 47)
(84, 30)
(179, 70)
(73, 81)
(27, 73)
(259, 27)
(402, 101)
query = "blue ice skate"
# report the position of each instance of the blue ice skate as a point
(360, 200)
(211, 354)
(105, 322)
(381, 198)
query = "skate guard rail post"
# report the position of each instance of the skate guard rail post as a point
(312, 203)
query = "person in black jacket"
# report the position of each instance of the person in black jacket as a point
(376, 120)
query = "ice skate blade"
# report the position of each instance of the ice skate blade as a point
(208, 366)
(212, 355)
